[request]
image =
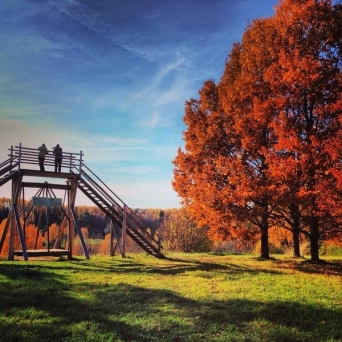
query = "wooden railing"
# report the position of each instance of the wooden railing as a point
(29, 156)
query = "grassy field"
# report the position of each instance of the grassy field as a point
(186, 297)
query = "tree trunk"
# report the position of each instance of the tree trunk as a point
(264, 244)
(264, 235)
(314, 248)
(294, 209)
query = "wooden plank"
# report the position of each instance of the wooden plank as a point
(50, 186)
(42, 252)
(49, 174)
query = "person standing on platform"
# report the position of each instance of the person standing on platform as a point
(57, 151)
(43, 151)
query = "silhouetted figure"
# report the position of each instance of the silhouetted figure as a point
(57, 151)
(43, 151)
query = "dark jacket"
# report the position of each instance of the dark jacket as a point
(57, 151)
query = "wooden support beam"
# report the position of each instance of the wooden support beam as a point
(50, 186)
(20, 232)
(80, 235)
(49, 174)
(111, 245)
(13, 215)
(11, 235)
(124, 234)
(70, 226)
(4, 233)
(74, 185)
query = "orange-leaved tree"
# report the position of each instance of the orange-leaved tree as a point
(223, 173)
(306, 85)
(264, 146)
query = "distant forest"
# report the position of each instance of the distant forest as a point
(90, 217)
(178, 231)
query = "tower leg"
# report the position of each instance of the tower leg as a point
(74, 223)
(15, 221)
(124, 235)
(79, 232)
(4, 233)
(11, 235)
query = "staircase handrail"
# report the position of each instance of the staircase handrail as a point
(94, 184)
(106, 195)
(8, 162)
(7, 168)
(132, 216)
(104, 201)
(132, 220)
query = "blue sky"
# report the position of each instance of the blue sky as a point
(110, 78)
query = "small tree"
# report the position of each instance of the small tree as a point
(181, 234)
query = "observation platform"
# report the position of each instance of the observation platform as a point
(23, 162)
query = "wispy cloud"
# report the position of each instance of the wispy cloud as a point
(110, 78)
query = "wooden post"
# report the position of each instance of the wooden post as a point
(80, 235)
(15, 221)
(113, 236)
(111, 245)
(24, 215)
(70, 226)
(19, 157)
(11, 156)
(123, 252)
(73, 217)
(81, 160)
(20, 233)
(11, 235)
(4, 233)
(48, 230)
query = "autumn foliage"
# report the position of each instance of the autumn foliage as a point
(34, 238)
(263, 146)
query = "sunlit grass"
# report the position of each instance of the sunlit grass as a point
(186, 297)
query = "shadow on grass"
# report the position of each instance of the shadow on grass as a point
(169, 266)
(37, 304)
(323, 267)
(174, 266)
(207, 267)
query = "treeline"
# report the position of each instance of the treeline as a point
(177, 230)
(263, 147)
(91, 218)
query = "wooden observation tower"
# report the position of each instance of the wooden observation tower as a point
(23, 163)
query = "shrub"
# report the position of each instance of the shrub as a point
(273, 249)
(331, 249)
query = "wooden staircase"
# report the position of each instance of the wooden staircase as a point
(118, 211)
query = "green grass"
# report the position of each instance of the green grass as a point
(187, 297)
